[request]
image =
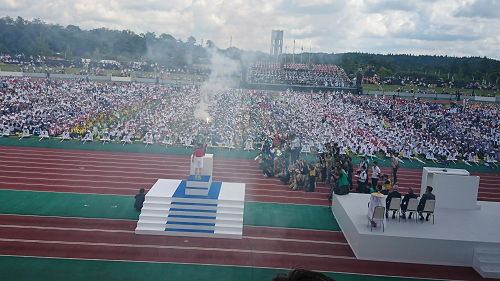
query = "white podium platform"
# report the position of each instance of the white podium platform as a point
(454, 188)
(458, 237)
(168, 210)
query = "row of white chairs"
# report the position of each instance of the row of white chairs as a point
(395, 206)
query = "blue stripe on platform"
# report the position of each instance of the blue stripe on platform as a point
(213, 192)
(194, 204)
(203, 178)
(191, 217)
(191, 223)
(192, 187)
(189, 230)
(192, 210)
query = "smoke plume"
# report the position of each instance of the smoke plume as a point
(223, 70)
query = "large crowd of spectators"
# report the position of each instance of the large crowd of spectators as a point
(298, 74)
(357, 124)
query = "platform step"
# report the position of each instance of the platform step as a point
(487, 262)
(203, 226)
(192, 205)
(159, 199)
(219, 214)
(170, 210)
(166, 207)
(203, 219)
(180, 232)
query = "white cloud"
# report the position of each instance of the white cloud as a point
(451, 27)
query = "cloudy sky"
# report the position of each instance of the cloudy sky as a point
(442, 27)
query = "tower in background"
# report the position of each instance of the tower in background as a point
(276, 44)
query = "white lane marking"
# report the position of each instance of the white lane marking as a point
(222, 265)
(173, 248)
(132, 232)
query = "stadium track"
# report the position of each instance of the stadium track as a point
(124, 173)
(260, 247)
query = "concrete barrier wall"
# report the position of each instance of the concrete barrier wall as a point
(490, 99)
(144, 80)
(99, 78)
(11, 73)
(63, 76)
(431, 96)
(35, 75)
(121, 79)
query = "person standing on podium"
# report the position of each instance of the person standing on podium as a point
(197, 159)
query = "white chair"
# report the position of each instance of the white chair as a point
(452, 157)
(407, 155)
(343, 150)
(126, 139)
(5, 132)
(430, 156)
(395, 206)
(473, 159)
(412, 208)
(209, 144)
(229, 143)
(491, 160)
(418, 159)
(248, 145)
(26, 134)
(429, 208)
(88, 137)
(167, 141)
(378, 214)
(65, 136)
(188, 142)
(306, 149)
(148, 139)
(105, 138)
(43, 135)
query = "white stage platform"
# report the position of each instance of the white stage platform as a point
(168, 210)
(458, 237)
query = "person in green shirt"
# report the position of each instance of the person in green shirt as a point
(369, 189)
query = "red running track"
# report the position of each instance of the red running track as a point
(260, 247)
(124, 173)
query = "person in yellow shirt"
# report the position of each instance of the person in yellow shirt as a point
(386, 184)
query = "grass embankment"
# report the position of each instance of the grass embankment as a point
(392, 88)
(107, 72)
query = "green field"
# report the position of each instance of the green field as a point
(392, 88)
(15, 68)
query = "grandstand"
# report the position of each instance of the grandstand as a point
(69, 206)
(297, 74)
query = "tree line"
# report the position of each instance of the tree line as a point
(35, 37)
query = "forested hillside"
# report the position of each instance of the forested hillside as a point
(35, 37)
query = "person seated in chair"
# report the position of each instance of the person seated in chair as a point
(65, 135)
(26, 133)
(88, 137)
(404, 203)
(44, 134)
(386, 184)
(394, 194)
(427, 196)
